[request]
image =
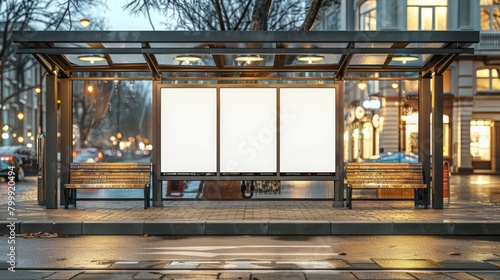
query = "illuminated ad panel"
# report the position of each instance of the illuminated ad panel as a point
(248, 131)
(307, 131)
(188, 131)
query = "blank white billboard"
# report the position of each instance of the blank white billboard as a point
(248, 131)
(188, 131)
(307, 131)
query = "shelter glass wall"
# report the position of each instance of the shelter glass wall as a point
(263, 189)
(112, 122)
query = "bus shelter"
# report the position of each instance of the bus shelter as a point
(272, 71)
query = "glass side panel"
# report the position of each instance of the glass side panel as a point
(112, 122)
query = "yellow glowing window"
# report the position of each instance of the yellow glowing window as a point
(427, 14)
(490, 13)
(480, 140)
(427, 2)
(487, 80)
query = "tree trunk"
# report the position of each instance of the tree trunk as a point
(260, 14)
(312, 15)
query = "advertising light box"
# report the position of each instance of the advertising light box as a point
(307, 131)
(188, 131)
(248, 137)
(226, 132)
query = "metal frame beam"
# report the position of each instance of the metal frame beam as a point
(234, 51)
(306, 37)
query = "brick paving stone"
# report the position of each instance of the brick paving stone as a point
(254, 210)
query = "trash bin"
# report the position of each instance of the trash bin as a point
(175, 187)
(446, 180)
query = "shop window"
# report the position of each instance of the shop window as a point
(446, 136)
(427, 14)
(480, 140)
(487, 80)
(490, 15)
(447, 81)
(410, 124)
(368, 15)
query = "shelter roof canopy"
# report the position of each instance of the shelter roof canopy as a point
(274, 51)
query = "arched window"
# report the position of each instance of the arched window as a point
(487, 80)
(427, 14)
(368, 15)
(490, 15)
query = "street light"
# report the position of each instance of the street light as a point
(85, 23)
(20, 115)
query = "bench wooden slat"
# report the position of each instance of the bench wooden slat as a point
(104, 175)
(366, 175)
(104, 186)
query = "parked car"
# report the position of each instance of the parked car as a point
(393, 157)
(112, 155)
(22, 159)
(87, 155)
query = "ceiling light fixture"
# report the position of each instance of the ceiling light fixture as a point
(249, 58)
(187, 58)
(310, 58)
(405, 58)
(92, 58)
(394, 85)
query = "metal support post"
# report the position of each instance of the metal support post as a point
(437, 143)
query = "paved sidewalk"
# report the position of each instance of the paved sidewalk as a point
(254, 217)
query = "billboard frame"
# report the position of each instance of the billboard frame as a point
(338, 145)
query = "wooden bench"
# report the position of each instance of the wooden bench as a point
(118, 175)
(368, 175)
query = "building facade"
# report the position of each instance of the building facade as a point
(471, 132)
(20, 104)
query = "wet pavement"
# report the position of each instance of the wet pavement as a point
(474, 209)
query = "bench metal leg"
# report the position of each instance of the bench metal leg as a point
(149, 197)
(70, 194)
(66, 198)
(349, 196)
(146, 196)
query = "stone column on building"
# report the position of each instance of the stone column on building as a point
(389, 141)
(462, 116)
(391, 15)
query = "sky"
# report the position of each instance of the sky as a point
(122, 20)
